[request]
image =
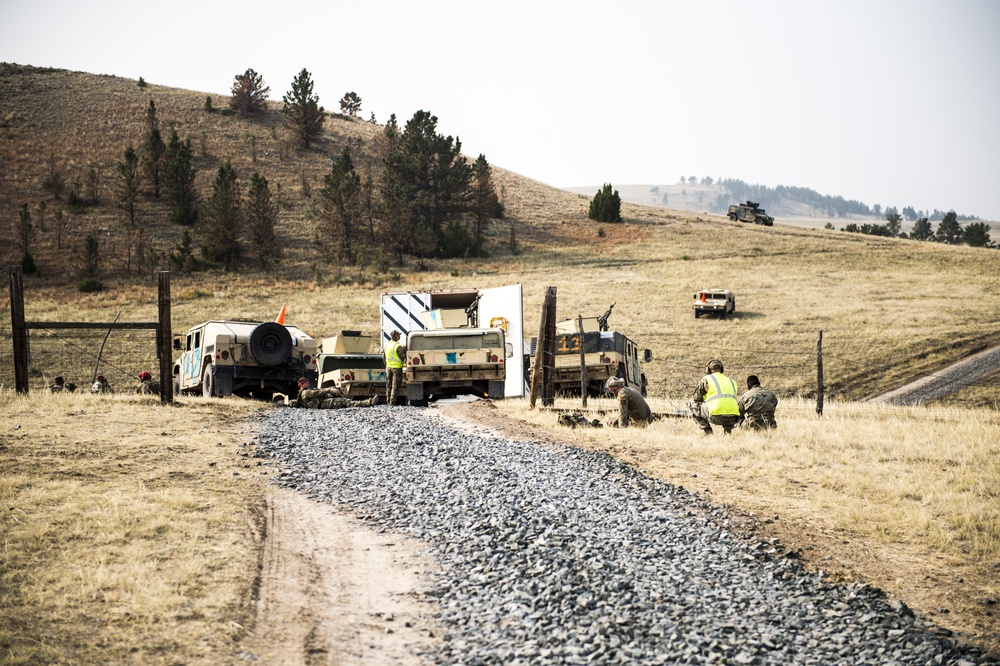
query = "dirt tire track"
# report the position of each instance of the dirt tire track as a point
(334, 591)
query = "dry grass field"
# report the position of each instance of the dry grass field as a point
(139, 493)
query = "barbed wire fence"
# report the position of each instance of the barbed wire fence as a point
(33, 354)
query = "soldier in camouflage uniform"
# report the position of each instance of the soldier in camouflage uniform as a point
(395, 360)
(147, 385)
(59, 385)
(101, 385)
(632, 407)
(757, 405)
(328, 398)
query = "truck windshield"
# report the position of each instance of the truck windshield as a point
(329, 364)
(449, 342)
(569, 343)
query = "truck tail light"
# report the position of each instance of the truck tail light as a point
(225, 355)
(347, 377)
(415, 360)
(605, 360)
(306, 357)
(493, 359)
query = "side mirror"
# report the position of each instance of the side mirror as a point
(177, 343)
(508, 350)
(647, 355)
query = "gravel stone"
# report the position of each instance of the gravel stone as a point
(553, 555)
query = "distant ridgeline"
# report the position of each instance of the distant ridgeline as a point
(778, 200)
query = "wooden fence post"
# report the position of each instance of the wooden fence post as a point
(583, 360)
(819, 374)
(18, 331)
(163, 340)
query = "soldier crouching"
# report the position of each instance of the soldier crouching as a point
(328, 398)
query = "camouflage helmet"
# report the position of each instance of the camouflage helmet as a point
(715, 365)
(615, 382)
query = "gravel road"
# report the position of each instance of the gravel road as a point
(553, 555)
(947, 380)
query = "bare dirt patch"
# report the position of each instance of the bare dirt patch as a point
(333, 590)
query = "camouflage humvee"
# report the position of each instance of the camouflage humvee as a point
(346, 362)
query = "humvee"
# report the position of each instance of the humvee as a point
(455, 361)
(750, 211)
(606, 354)
(345, 362)
(243, 357)
(714, 301)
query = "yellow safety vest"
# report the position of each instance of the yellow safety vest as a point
(721, 395)
(392, 359)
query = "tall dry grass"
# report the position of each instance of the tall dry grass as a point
(129, 530)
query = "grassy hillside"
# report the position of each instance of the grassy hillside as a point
(889, 309)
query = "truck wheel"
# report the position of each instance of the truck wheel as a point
(207, 382)
(696, 314)
(270, 343)
(177, 385)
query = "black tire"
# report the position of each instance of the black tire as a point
(270, 344)
(207, 382)
(696, 314)
(177, 385)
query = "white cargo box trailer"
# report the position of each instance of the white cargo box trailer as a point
(494, 307)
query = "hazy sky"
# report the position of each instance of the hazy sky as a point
(895, 102)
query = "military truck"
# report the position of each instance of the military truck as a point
(455, 361)
(606, 354)
(750, 211)
(721, 302)
(243, 357)
(494, 307)
(346, 362)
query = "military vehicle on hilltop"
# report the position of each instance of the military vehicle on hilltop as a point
(750, 211)
(243, 357)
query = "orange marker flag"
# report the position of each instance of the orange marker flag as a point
(281, 316)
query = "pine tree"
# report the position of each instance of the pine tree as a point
(249, 93)
(922, 230)
(427, 180)
(261, 215)
(605, 206)
(350, 104)
(485, 202)
(220, 226)
(977, 234)
(178, 178)
(153, 150)
(127, 194)
(949, 230)
(340, 208)
(303, 114)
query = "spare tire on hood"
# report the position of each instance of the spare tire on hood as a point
(270, 343)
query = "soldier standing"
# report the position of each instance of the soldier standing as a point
(714, 401)
(757, 405)
(632, 407)
(394, 355)
(328, 398)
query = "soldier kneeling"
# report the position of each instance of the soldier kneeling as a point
(328, 398)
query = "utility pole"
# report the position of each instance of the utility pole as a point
(583, 360)
(819, 374)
